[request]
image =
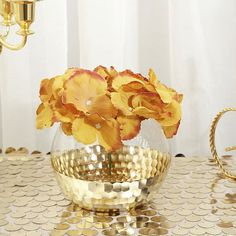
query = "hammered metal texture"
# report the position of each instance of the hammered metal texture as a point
(193, 200)
(101, 181)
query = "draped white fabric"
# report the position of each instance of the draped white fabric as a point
(189, 43)
(20, 73)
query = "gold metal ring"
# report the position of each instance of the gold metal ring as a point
(212, 142)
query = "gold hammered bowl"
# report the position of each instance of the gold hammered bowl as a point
(101, 181)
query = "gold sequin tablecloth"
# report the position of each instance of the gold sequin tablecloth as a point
(194, 200)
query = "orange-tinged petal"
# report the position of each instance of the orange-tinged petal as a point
(130, 96)
(107, 74)
(50, 88)
(46, 90)
(70, 72)
(113, 72)
(121, 102)
(58, 83)
(137, 87)
(67, 128)
(165, 93)
(57, 86)
(102, 106)
(134, 87)
(64, 113)
(94, 119)
(178, 97)
(102, 71)
(83, 86)
(170, 131)
(146, 113)
(171, 114)
(151, 101)
(109, 135)
(83, 131)
(44, 118)
(61, 116)
(129, 126)
(152, 77)
(126, 77)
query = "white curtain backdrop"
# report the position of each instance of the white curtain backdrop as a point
(45, 55)
(189, 43)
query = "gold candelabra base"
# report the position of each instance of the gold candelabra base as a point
(23, 12)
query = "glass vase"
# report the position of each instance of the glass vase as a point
(119, 180)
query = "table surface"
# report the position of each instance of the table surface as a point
(194, 200)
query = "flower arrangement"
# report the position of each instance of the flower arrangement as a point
(107, 106)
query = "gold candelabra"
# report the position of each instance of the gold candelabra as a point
(20, 11)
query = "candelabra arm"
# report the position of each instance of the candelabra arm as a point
(10, 46)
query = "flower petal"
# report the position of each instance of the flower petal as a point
(151, 101)
(134, 87)
(94, 119)
(153, 78)
(61, 115)
(129, 126)
(126, 77)
(46, 90)
(121, 102)
(178, 97)
(107, 74)
(171, 114)
(102, 106)
(146, 113)
(165, 93)
(44, 118)
(64, 113)
(83, 86)
(83, 131)
(58, 82)
(170, 131)
(109, 135)
(67, 128)
(102, 71)
(113, 72)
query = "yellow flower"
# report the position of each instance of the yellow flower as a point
(129, 126)
(58, 82)
(44, 116)
(107, 74)
(147, 105)
(91, 128)
(170, 131)
(166, 94)
(107, 106)
(126, 77)
(86, 91)
(64, 112)
(51, 89)
(135, 95)
(171, 116)
(46, 90)
(125, 85)
(83, 88)
(67, 128)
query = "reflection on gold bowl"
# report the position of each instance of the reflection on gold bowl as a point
(101, 181)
